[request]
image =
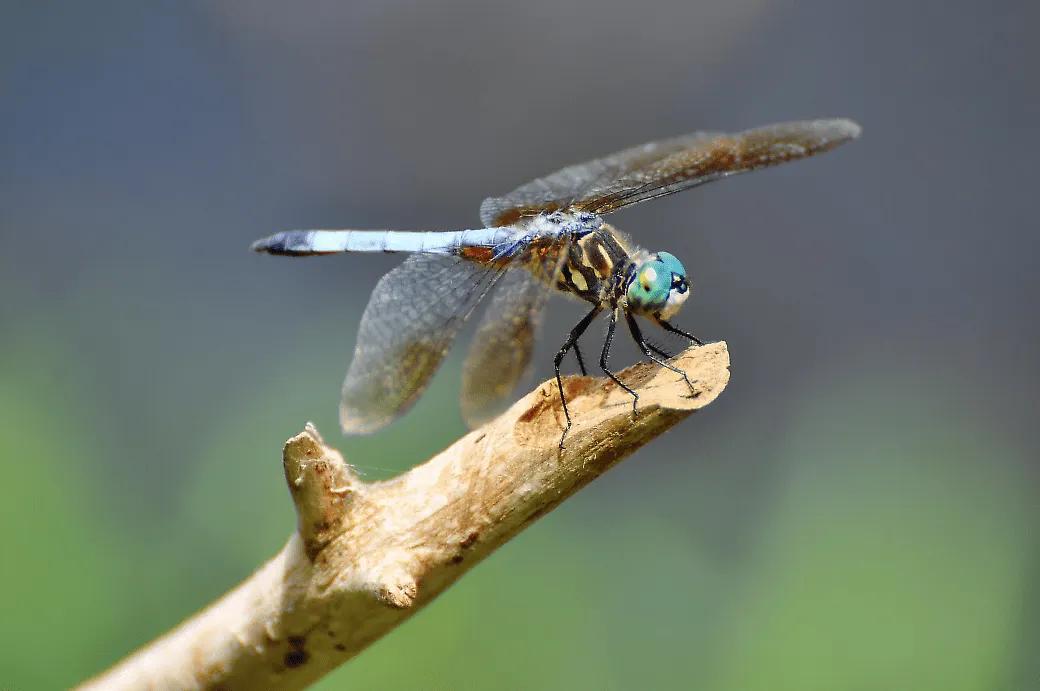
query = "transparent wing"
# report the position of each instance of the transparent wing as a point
(664, 167)
(501, 353)
(413, 316)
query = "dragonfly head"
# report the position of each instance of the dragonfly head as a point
(657, 287)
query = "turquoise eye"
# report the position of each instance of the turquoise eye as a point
(649, 289)
(672, 263)
(658, 287)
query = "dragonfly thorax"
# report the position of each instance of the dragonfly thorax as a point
(597, 261)
(603, 267)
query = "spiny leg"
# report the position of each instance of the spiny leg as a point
(603, 361)
(668, 327)
(581, 362)
(649, 350)
(663, 353)
(572, 342)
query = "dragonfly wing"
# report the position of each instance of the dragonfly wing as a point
(701, 158)
(413, 316)
(501, 353)
(565, 188)
(664, 167)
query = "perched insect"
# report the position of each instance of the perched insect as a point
(547, 234)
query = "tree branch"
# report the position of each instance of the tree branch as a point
(366, 556)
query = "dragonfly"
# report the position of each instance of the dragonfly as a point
(545, 236)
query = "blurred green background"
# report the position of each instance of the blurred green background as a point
(858, 510)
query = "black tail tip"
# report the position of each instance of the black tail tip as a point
(290, 243)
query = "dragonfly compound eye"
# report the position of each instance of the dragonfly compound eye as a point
(659, 287)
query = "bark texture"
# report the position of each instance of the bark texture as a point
(366, 556)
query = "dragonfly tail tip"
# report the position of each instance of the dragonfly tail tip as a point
(291, 243)
(259, 246)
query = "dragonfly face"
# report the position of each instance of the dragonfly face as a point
(543, 235)
(657, 287)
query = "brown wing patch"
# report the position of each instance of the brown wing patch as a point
(512, 215)
(663, 167)
(718, 156)
(480, 255)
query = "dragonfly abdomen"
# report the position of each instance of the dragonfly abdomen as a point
(454, 242)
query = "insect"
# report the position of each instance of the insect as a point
(546, 235)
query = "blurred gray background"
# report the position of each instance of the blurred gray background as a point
(857, 511)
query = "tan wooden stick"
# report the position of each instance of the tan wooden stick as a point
(366, 556)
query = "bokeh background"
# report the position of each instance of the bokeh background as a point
(858, 510)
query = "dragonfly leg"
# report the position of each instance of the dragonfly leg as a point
(679, 332)
(603, 361)
(581, 362)
(572, 342)
(653, 352)
(663, 353)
